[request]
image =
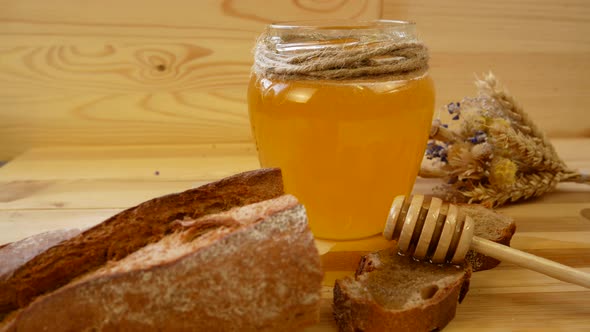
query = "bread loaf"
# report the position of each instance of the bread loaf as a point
(234, 255)
(130, 230)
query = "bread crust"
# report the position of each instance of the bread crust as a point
(263, 276)
(363, 313)
(129, 231)
(16, 254)
(502, 235)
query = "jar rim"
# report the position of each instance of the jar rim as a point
(342, 24)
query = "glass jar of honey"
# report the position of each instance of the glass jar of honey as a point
(344, 109)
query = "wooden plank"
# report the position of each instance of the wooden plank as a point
(207, 104)
(540, 49)
(574, 257)
(85, 194)
(536, 240)
(535, 311)
(202, 162)
(119, 193)
(550, 87)
(205, 161)
(526, 26)
(544, 212)
(176, 71)
(496, 281)
(545, 311)
(108, 73)
(215, 168)
(175, 15)
(16, 225)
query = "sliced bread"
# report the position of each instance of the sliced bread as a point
(391, 292)
(490, 225)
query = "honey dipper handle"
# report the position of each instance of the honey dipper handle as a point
(531, 262)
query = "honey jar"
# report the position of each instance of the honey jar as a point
(344, 109)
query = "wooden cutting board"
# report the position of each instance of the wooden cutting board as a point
(54, 188)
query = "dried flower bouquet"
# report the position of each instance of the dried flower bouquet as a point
(493, 153)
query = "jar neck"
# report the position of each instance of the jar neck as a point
(340, 50)
(304, 36)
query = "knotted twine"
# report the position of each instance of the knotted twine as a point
(392, 59)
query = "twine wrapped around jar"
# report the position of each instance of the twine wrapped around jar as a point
(393, 59)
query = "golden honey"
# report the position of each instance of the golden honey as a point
(346, 148)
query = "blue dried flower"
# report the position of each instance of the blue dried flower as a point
(436, 150)
(453, 108)
(480, 136)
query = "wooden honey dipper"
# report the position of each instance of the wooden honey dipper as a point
(442, 233)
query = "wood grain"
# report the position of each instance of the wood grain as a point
(85, 194)
(539, 49)
(17, 224)
(175, 72)
(158, 163)
(129, 72)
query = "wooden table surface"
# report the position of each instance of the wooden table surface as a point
(52, 188)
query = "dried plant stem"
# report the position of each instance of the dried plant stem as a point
(573, 176)
(431, 172)
(438, 132)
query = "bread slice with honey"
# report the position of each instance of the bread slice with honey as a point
(390, 292)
